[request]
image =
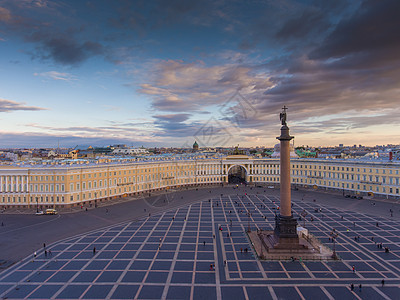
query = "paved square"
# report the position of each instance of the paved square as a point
(201, 251)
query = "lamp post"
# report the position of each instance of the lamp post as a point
(304, 214)
(260, 236)
(37, 204)
(334, 235)
(248, 221)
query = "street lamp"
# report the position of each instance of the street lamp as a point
(260, 236)
(304, 214)
(334, 235)
(248, 221)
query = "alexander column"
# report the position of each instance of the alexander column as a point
(285, 225)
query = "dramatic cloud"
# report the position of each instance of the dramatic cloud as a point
(178, 86)
(355, 70)
(9, 106)
(208, 68)
(369, 30)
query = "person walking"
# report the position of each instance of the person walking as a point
(383, 282)
(359, 287)
(354, 269)
(352, 287)
(94, 250)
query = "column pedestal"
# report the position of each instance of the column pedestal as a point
(285, 233)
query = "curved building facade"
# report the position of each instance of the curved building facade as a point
(88, 182)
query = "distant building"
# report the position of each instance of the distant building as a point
(277, 151)
(195, 146)
(130, 151)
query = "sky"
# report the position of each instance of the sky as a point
(166, 73)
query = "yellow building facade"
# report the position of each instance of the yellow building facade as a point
(74, 184)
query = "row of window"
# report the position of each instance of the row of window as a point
(364, 170)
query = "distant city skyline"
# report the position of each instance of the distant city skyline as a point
(167, 73)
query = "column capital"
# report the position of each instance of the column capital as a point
(285, 136)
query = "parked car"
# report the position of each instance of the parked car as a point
(51, 211)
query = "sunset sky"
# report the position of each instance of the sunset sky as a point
(166, 73)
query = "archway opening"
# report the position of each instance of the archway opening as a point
(237, 175)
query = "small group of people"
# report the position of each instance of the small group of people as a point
(46, 252)
(360, 285)
(380, 246)
(352, 287)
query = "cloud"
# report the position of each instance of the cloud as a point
(354, 70)
(34, 139)
(5, 15)
(135, 131)
(53, 28)
(146, 16)
(311, 21)
(178, 86)
(9, 106)
(57, 75)
(65, 50)
(369, 30)
(173, 117)
(175, 125)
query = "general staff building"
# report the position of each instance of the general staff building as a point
(72, 183)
